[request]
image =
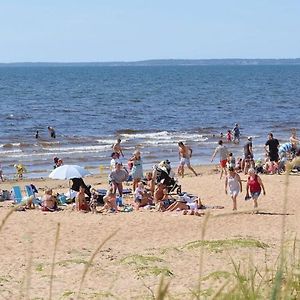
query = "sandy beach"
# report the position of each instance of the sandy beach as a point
(144, 245)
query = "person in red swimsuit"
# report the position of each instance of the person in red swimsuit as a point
(254, 185)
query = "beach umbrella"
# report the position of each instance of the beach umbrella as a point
(68, 172)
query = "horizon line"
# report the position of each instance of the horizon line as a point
(146, 60)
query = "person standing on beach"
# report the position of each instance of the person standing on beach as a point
(222, 149)
(52, 132)
(254, 186)
(248, 155)
(271, 148)
(236, 133)
(117, 177)
(117, 147)
(234, 184)
(137, 168)
(185, 154)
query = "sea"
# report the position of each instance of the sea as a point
(151, 108)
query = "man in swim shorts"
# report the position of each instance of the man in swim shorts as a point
(222, 149)
(117, 147)
(185, 153)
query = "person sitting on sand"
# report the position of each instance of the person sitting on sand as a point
(284, 152)
(254, 185)
(141, 197)
(49, 202)
(159, 192)
(80, 202)
(150, 183)
(110, 201)
(234, 184)
(93, 200)
(166, 201)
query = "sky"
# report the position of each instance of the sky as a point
(133, 30)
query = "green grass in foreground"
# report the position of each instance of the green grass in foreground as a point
(220, 245)
(147, 265)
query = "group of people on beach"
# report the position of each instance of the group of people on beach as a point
(276, 156)
(159, 188)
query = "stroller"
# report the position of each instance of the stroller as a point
(162, 173)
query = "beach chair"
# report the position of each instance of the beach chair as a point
(29, 192)
(62, 199)
(17, 194)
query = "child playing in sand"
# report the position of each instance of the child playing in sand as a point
(234, 184)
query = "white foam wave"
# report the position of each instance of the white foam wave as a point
(79, 149)
(154, 135)
(10, 151)
(167, 136)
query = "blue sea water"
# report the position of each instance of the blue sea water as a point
(148, 107)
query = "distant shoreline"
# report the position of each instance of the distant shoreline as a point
(161, 62)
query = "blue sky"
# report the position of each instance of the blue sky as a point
(130, 30)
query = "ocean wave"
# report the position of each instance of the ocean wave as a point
(10, 151)
(106, 141)
(147, 135)
(129, 131)
(10, 145)
(17, 117)
(79, 149)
